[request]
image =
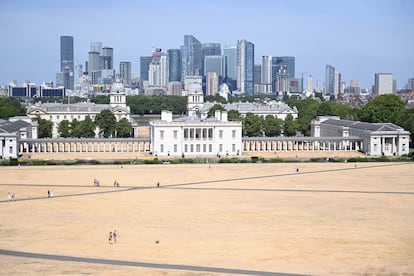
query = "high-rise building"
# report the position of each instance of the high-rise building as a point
(191, 55)
(215, 64)
(67, 61)
(209, 49)
(158, 69)
(383, 83)
(257, 74)
(93, 66)
(337, 84)
(245, 66)
(107, 58)
(212, 84)
(288, 64)
(230, 52)
(78, 74)
(310, 84)
(330, 80)
(144, 67)
(174, 65)
(266, 74)
(125, 72)
(354, 87)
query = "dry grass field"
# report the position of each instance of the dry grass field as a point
(229, 219)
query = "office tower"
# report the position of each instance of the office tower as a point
(245, 66)
(96, 47)
(93, 66)
(191, 55)
(209, 49)
(164, 70)
(174, 65)
(78, 74)
(337, 84)
(67, 61)
(257, 74)
(282, 81)
(125, 72)
(287, 62)
(174, 88)
(310, 84)
(383, 83)
(329, 80)
(266, 74)
(230, 52)
(107, 58)
(158, 69)
(410, 84)
(215, 64)
(212, 83)
(354, 88)
(144, 67)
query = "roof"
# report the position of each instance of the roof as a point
(78, 107)
(245, 107)
(364, 126)
(10, 127)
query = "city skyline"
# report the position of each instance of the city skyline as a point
(358, 38)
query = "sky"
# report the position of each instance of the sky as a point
(359, 38)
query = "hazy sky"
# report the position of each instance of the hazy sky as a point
(358, 37)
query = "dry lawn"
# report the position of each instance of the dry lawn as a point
(329, 219)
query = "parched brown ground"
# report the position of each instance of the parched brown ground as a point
(328, 219)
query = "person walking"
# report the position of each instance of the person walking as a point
(48, 193)
(115, 236)
(110, 238)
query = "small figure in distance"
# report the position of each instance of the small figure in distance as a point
(158, 183)
(115, 236)
(297, 170)
(48, 193)
(110, 238)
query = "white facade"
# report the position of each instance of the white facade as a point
(378, 139)
(266, 70)
(383, 83)
(12, 131)
(193, 135)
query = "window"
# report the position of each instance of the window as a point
(210, 133)
(10, 149)
(198, 133)
(210, 148)
(191, 133)
(233, 147)
(204, 148)
(198, 148)
(161, 134)
(64, 117)
(220, 147)
(191, 148)
(186, 133)
(175, 147)
(220, 134)
(175, 134)
(233, 133)
(186, 148)
(50, 117)
(204, 133)
(57, 117)
(161, 148)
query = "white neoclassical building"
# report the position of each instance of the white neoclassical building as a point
(378, 138)
(57, 112)
(193, 135)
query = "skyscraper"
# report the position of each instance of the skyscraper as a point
(107, 58)
(257, 74)
(383, 83)
(230, 52)
(330, 80)
(174, 64)
(266, 74)
(215, 64)
(245, 66)
(209, 49)
(191, 55)
(212, 84)
(337, 84)
(144, 67)
(67, 61)
(125, 72)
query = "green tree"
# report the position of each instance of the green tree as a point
(382, 109)
(64, 129)
(272, 126)
(10, 107)
(44, 128)
(212, 111)
(252, 125)
(289, 126)
(123, 128)
(100, 99)
(218, 99)
(406, 121)
(76, 128)
(307, 111)
(88, 128)
(234, 115)
(106, 122)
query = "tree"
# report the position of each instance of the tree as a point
(106, 122)
(252, 125)
(406, 121)
(100, 99)
(10, 107)
(76, 128)
(64, 129)
(272, 126)
(212, 111)
(88, 128)
(307, 111)
(44, 128)
(382, 109)
(289, 126)
(234, 115)
(218, 99)
(123, 128)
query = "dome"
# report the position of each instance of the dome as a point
(117, 87)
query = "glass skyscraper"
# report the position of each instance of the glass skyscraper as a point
(144, 67)
(125, 72)
(174, 64)
(245, 67)
(230, 52)
(329, 80)
(67, 61)
(191, 56)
